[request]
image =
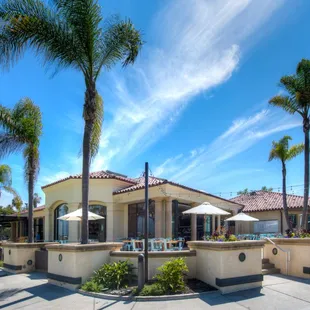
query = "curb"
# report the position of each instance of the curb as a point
(145, 298)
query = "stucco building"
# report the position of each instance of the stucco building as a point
(268, 208)
(120, 200)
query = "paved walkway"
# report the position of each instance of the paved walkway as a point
(31, 291)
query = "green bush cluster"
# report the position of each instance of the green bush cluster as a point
(152, 290)
(111, 276)
(171, 275)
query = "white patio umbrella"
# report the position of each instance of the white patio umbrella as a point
(77, 216)
(242, 217)
(206, 209)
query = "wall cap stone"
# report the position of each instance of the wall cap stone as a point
(291, 241)
(77, 247)
(27, 245)
(157, 254)
(226, 246)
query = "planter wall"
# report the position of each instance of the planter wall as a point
(20, 257)
(71, 265)
(229, 266)
(298, 264)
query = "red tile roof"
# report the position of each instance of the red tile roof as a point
(267, 201)
(153, 181)
(96, 175)
(34, 210)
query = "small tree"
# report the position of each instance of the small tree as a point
(36, 200)
(243, 192)
(281, 151)
(267, 189)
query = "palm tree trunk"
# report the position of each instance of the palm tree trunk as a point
(306, 176)
(30, 200)
(89, 112)
(289, 225)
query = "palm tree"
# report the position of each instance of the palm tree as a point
(36, 199)
(6, 180)
(22, 128)
(297, 100)
(281, 151)
(71, 34)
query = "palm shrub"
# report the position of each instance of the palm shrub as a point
(296, 100)
(21, 131)
(71, 34)
(281, 151)
(171, 275)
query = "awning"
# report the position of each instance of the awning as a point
(7, 219)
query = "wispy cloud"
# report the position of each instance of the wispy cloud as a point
(242, 135)
(197, 46)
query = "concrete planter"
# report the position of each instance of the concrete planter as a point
(71, 265)
(20, 257)
(229, 266)
(294, 263)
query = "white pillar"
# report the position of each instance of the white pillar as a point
(158, 218)
(193, 227)
(219, 222)
(125, 221)
(169, 218)
(109, 221)
(74, 227)
(213, 224)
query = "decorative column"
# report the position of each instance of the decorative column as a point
(169, 218)
(219, 222)
(74, 227)
(158, 218)
(193, 227)
(213, 224)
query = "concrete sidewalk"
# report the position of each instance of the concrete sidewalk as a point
(31, 291)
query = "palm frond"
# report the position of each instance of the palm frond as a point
(120, 42)
(10, 190)
(96, 133)
(5, 175)
(31, 24)
(10, 144)
(295, 150)
(286, 103)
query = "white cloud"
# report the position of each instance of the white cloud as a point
(53, 178)
(196, 47)
(242, 135)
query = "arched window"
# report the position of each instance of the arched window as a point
(98, 228)
(61, 228)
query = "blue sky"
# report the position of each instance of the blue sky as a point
(195, 104)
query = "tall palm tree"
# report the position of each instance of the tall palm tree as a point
(281, 151)
(36, 199)
(6, 180)
(21, 131)
(71, 34)
(297, 100)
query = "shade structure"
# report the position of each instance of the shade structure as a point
(77, 216)
(242, 217)
(206, 209)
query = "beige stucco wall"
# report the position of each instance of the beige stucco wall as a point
(215, 260)
(299, 256)
(18, 254)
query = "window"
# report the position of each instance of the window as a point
(38, 229)
(61, 228)
(98, 229)
(293, 220)
(136, 214)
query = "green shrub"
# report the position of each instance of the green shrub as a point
(113, 275)
(92, 286)
(152, 290)
(232, 238)
(171, 276)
